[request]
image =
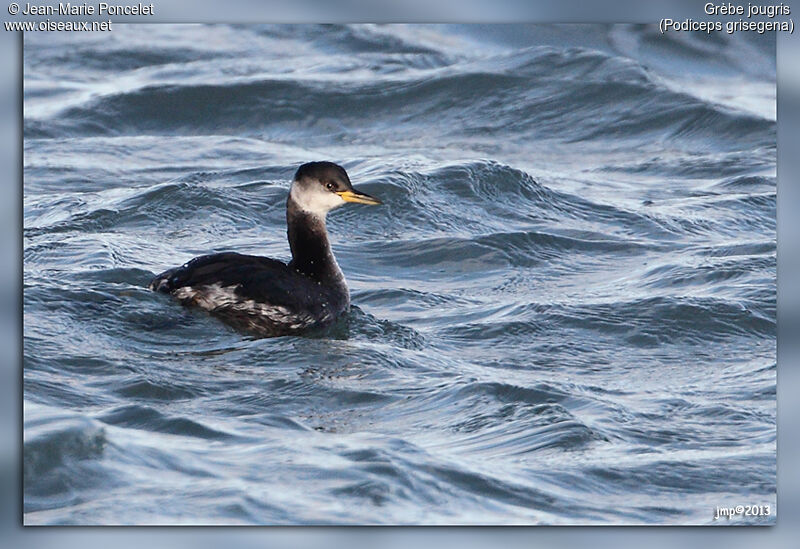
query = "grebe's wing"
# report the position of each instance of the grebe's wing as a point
(236, 276)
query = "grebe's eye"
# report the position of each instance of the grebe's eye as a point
(329, 186)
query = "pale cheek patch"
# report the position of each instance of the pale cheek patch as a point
(316, 201)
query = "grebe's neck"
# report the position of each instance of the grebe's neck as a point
(308, 240)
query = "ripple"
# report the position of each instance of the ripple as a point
(144, 417)
(62, 442)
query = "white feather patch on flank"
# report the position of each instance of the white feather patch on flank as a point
(315, 199)
(223, 300)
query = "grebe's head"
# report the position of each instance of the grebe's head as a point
(319, 187)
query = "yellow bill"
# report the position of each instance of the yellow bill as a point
(358, 197)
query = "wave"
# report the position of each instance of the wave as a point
(538, 93)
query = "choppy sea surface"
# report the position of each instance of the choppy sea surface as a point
(565, 312)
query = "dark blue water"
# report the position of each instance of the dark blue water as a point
(565, 312)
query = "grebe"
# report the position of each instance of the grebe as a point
(268, 297)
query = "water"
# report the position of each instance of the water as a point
(565, 312)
